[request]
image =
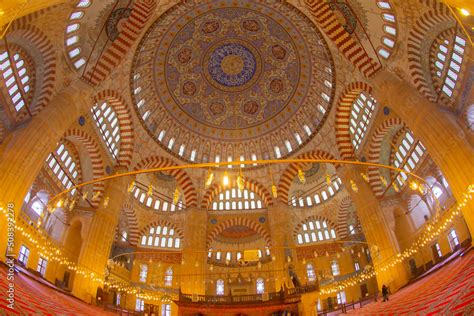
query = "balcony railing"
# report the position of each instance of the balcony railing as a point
(291, 295)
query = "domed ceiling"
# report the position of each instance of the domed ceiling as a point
(211, 78)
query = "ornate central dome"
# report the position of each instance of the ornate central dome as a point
(228, 72)
(231, 66)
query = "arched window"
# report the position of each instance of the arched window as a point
(307, 201)
(143, 272)
(64, 166)
(277, 152)
(298, 139)
(220, 287)
(352, 229)
(447, 58)
(72, 34)
(37, 206)
(362, 111)
(310, 272)
(181, 150)
(169, 276)
(155, 200)
(470, 117)
(260, 286)
(313, 231)
(17, 74)
(123, 236)
(437, 191)
(389, 29)
(107, 121)
(409, 154)
(235, 199)
(161, 237)
(335, 268)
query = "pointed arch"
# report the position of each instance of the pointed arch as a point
(97, 163)
(162, 222)
(142, 10)
(417, 38)
(292, 170)
(343, 216)
(239, 221)
(161, 234)
(349, 47)
(375, 149)
(343, 115)
(299, 227)
(122, 111)
(133, 229)
(250, 184)
(31, 36)
(182, 178)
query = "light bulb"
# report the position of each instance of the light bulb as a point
(354, 186)
(328, 180)
(106, 201)
(413, 185)
(464, 12)
(225, 179)
(59, 203)
(274, 191)
(383, 180)
(95, 196)
(131, 186)
(301, 176)
(176, 196)
(209, 178)
(365, 177)
(395, 187)
(240, 182)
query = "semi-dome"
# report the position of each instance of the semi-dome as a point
(224, 79)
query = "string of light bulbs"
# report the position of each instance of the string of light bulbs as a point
(54, 253)
(433, 230)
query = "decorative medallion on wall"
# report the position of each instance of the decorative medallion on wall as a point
(114, 20)
(82, 120)
(345, 11)
(229, 72)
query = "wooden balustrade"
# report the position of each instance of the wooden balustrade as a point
(288, 296)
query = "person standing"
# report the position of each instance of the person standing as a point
(385, 293)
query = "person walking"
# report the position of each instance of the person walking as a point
(385, 293)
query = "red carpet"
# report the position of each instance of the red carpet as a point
(34, 298)
(448, 291)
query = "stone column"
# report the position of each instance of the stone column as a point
(22, 153)
(194, 265)
(280, 232)
(376, 229)
(308, 303)
(437, 129)
(98, 242)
